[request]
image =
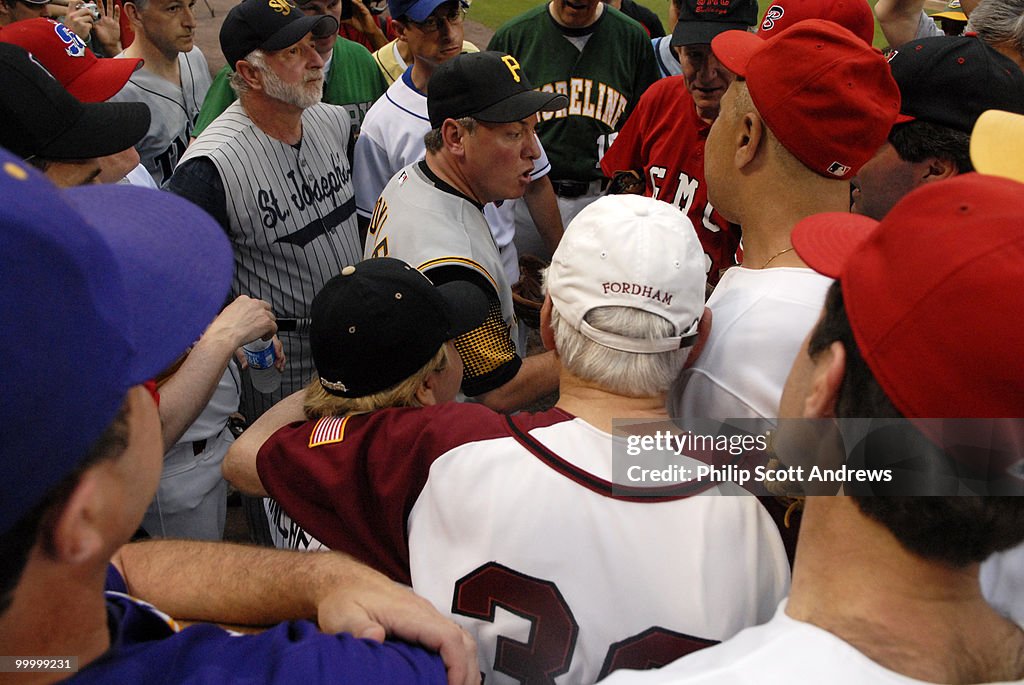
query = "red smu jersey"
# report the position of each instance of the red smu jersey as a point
(665, 139)
(510, 526)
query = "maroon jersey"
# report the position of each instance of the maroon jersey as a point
(664, 138)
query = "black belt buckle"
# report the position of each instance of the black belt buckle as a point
(570, 189)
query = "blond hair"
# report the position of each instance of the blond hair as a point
(319, 403)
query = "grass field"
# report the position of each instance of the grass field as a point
(493, 13)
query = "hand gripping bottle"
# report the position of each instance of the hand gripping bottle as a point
(260, 356)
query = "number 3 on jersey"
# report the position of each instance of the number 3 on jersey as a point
(549, 651)
(380, 215)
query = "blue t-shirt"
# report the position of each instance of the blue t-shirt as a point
(147, 647)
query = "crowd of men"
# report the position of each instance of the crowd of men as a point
(755, 221)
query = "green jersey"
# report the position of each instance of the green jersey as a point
(603, 81)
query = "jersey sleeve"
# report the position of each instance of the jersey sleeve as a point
(351, 482)
(199, 182)
(371, 171)
(489, 358)
(292, 653)
(647, 72)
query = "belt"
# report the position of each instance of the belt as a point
(571, 189)
(198, 447)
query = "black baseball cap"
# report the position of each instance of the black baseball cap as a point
(268, 25)
(42, 119)
(488, 86)
(380, 321)
(951, 80)
(702, 20)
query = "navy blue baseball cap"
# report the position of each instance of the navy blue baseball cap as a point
(101, 288)
(268, 25)
(951, 80)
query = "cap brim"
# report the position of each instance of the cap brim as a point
(291, 34)
(701, 32)
(103, 79)
(826, 241)
(176, 266)
(102, 128)
(997, 144)
(520, 106)
(467, 306)
(734, 49)
(955, 16)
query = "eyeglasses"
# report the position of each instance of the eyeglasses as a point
(432, 24)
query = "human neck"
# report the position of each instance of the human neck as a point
(768, 223)
(599, 407)
(447, 169)
(554, 15)
(279, 120)
(55, 611)
(421, 73)
(921, 619)
(160, 63)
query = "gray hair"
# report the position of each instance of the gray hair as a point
(257, 58)
(999, 21)
(433, 140)
(623, 373)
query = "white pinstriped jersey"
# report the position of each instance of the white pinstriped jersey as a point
(392, 138)
(291, 214)
(174, 109)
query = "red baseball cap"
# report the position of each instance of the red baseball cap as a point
(828, 97)
(855, 15)
(66, 57)
(933, 294)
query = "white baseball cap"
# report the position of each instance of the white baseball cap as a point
(630, 251)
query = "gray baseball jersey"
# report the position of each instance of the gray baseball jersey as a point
(174, 109)
(422, 220)
(392, 138)
(291, 217)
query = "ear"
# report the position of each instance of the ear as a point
(425, 393)
(400, 29)
(750, 134)
(829, 371)
(132, 12)
(453, 136)
(78, 535)
(937, 169)
(547, 336)
(703, 331)
(250, 73)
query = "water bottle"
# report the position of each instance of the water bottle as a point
(260, 356)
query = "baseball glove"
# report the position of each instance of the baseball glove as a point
(527, 295)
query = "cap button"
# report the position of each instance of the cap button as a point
(348, 270)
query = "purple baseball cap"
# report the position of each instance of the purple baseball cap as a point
(101, 288)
